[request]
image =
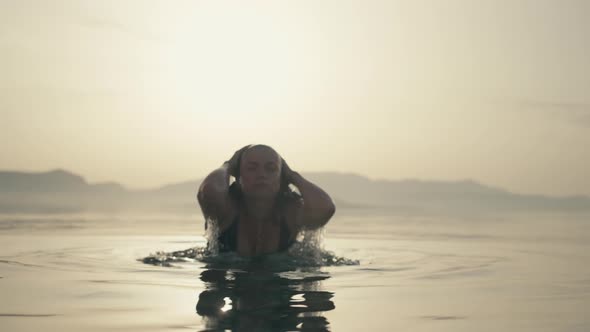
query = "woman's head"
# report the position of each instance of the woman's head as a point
(260, 172)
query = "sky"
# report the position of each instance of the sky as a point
(151, 92)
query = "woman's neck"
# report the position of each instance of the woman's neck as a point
(260, 209)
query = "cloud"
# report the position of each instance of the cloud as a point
(556, 106)
(577, 113)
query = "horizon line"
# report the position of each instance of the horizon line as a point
(156, 187)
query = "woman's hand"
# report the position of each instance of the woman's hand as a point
(234, 161)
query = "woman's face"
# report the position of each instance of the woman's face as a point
(260, 172)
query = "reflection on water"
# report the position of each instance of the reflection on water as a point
(257, 299)
(275, 292)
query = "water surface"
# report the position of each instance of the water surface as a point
(418, 274)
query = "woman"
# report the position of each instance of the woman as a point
(258, 213)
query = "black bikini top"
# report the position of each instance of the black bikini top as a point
(228, 239)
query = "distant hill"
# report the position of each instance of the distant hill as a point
(52, 181)
(60, 191)
(465, 195)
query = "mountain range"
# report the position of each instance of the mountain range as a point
(61, 191)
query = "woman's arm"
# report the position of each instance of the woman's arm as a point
(318, 206)
(213, 196)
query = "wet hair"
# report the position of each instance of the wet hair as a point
(284, 183)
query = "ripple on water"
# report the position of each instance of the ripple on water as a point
(306, 252)
(281, 291)
(298, 256)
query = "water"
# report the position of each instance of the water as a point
(280, 291)
(306, 251)
(518, 273)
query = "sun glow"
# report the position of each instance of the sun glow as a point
(228, 305)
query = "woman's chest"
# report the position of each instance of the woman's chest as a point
(256, 237)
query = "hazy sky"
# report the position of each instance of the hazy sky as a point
(149, 92)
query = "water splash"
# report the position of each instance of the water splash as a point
(307, 251)
(212, 234)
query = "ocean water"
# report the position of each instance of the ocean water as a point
(366, 273)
